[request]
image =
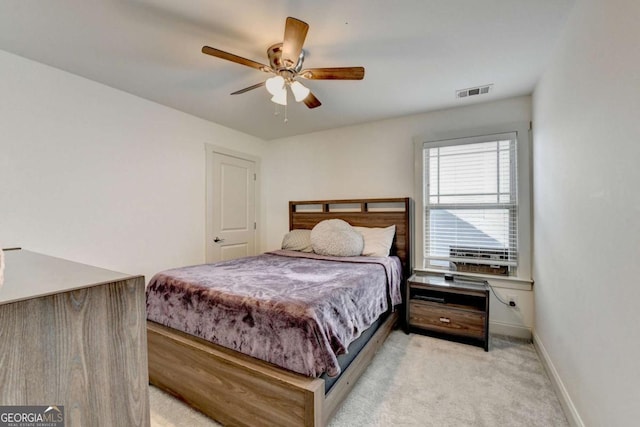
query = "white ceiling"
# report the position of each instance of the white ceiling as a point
(416, 52)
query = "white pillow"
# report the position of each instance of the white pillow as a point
(297, 240)
(335, 237)
(377, 241)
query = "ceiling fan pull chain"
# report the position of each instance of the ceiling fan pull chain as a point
(286, 119)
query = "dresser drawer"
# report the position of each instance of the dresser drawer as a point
(439, 318)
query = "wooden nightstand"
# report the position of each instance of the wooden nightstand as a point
(453, 309)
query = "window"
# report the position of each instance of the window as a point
(470, 200)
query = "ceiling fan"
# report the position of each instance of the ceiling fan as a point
(285, 62)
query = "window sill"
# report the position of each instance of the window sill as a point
(512, 282)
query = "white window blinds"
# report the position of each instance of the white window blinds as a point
(471, 201)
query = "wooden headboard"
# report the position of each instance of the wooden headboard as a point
(361, 213)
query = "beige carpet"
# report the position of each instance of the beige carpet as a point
(421, 381)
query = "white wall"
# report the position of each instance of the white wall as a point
(99, 176)
(377, 160)
(587, 213)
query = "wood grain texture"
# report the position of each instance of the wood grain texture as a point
(233, 58)
(228, 386)
(364, 217)
(247, 89)
(453, 308)
(84, 349)
(335, 73)
(236, 389)
(311, 101)
(295, 32)
(459, 322)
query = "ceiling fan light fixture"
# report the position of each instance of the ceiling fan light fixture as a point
(300, 92)
(275, 85)
(280, 97)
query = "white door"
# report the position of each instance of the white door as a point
(231, 222)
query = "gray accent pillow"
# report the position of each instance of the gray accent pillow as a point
(335, 237)
(297, 240)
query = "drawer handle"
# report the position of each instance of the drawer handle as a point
(445, 320)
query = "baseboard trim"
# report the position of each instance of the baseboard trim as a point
(569, 408)
(517, 331)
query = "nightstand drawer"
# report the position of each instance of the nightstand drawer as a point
(448, 320)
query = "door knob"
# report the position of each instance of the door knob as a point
(218, 240)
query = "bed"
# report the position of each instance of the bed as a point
(237, 389)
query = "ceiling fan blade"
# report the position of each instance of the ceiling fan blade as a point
(311, 101)
(234, 58)
(340, 73)
(247, 89)
(295, 31)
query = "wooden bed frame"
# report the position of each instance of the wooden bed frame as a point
(236, 389)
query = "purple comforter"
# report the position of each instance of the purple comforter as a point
(293, 309)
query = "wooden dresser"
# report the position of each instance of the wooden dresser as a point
(73, 335)
(455, 309)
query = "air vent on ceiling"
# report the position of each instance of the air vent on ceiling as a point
(473, 91)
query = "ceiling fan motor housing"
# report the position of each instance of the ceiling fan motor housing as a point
(274, 52)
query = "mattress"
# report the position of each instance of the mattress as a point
(299, 311)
